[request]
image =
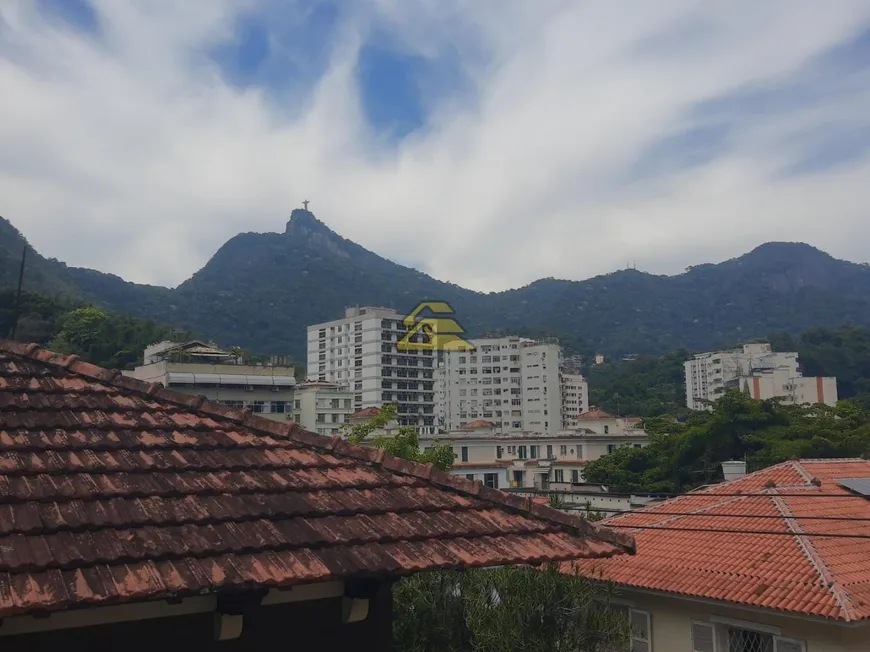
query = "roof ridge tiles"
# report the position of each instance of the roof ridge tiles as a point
(805, 543)
(295, 432)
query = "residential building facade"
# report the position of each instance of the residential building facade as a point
(514, 459)
(322, 407)
(600, 433)
(514, 382)
(708, 375)
(774, 561)
(359, 352)
(202, 369)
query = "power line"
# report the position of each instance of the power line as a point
(726, 531)
(640, 494)
(718, 515)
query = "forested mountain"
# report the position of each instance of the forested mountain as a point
(261, 290)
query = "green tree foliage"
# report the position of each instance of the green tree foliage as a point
(103, 338)
(405, 443)
(683, 455)
(509, 609)
(646, 386)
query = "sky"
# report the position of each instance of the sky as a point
(485, 142)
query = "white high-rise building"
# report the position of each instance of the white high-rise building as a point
(752, 366)
(359, 352)
(513, 382)
(575, 398)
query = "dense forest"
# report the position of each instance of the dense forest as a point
(688, 453)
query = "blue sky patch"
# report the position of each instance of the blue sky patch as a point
(77, 13)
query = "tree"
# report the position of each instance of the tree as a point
(508, 609)
(503, 609)
(405, 443)
(686, 454)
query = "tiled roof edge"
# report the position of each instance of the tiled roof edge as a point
(246, 418)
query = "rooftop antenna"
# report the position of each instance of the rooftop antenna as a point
(18, 294)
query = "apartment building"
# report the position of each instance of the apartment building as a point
(359, 352)
(322, 407)
(201, 368)
(513, 459)
(708, 375)
(575, 398)
(515, 382)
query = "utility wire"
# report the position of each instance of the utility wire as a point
(697, 494)
(726, 531)
(719, 515)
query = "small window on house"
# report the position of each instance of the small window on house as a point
(490, 480)
(575, 476)
(469, 476)
(559, 475)
(606, 430)
(499, 451)
(465, 453)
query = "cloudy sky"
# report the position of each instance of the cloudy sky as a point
(486, 142)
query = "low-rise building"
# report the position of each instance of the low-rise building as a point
(322, 407)
(600, 433)
(513, 459)
(585, 498)
(774, 561)
(201, 368)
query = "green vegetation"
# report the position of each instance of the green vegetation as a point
(103, 338)
(405, 443)
(509, 609)
(655, 385)
(688, 454)
(261, 290)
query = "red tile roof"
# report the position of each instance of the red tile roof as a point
(114, 490)
(366, 412)
(596, 413)
(479, 423)
(793, 572)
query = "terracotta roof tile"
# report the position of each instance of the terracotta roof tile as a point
(114, 490)
(792, 572)
(596, 413)
(479, 423)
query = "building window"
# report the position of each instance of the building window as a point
(499, 451)
(279, 407)
(606, 430)
(465, 453)
(575, 476)
(611, 448)
(559, 475)
(549, 451)
(257, 406)
(533, 452)
(563, 450)
(297, 404)
(469, 476)
(521, 453)
(490, 480)
(321, 417)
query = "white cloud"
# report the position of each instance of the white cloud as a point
(132, 154)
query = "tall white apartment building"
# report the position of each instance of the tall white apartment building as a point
(359, 352)
(755, 366)
(575, 398)
(514, 382)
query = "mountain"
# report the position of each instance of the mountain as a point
(261, 290)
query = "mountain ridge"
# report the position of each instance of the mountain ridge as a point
(261, 290)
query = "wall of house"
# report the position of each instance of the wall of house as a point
(308, 625)
(671, 620)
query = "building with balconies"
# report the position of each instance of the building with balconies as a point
(359, 352)
(201, 368)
